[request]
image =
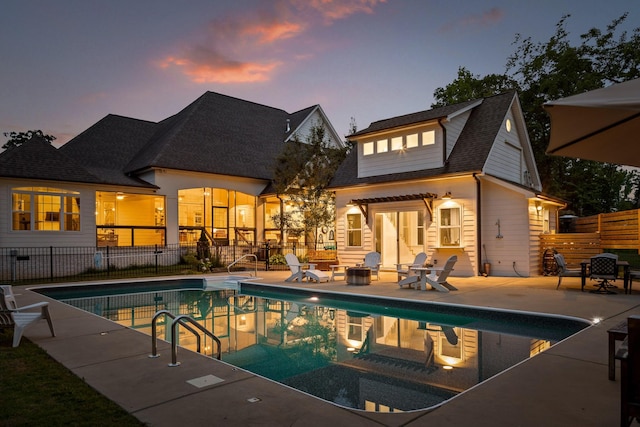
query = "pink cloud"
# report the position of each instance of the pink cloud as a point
(247, 48)
(272, 32)
(339, 9)
(486, 19)
(202, 65)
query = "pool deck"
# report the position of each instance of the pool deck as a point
(566, 385)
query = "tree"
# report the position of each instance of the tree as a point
(18, 138)
(302, 173)
(467, 86)
(544, 71)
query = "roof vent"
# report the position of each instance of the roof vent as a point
(288, 127)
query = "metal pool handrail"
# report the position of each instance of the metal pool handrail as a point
(182, 319)
(174, 345)
(240, 259)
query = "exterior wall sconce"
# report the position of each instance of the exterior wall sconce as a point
(538, 207)
(447, 196)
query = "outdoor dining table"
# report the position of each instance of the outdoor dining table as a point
(583, 273)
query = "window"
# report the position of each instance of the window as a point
(354, 331)
(396, 143)
(429, 137)
(367, 148)
(382, 146)
(412, 140)
(354, 229)
(45, 209)
(449, 226)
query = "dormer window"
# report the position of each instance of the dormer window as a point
(382, 146)
(429, 137)
(367, 149)
(412, 140)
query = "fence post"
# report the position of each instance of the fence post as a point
(51, 263)
(108, 262)
(156, 254)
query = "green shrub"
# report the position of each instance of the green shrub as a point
(277, 259)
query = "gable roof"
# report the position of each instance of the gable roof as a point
(107, 147)
(468, 155)
(216, 134)
(219, 134)
(38, 159)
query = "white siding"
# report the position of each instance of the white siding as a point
(506, 157)
(28, 238)
(411, 159)
(463, 190)
(314, 119)
(511, 209)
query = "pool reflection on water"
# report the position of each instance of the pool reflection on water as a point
(374, 354)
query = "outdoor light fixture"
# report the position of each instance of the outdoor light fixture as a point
(447, 196)
(119, 196)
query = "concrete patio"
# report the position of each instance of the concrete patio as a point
(566, 385)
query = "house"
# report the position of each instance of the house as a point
(456, 180)
(130, 182)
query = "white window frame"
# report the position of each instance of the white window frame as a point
(59, 220)
(350, 230)
(428, 137)
(368, 148)
(452, 226)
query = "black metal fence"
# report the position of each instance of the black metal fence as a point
(59, 264)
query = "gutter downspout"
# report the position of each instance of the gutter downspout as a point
(444, 140)
(479, 223)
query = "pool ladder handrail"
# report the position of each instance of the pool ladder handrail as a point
(240, 259)
(180, 320)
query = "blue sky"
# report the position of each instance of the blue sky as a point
(66, 64)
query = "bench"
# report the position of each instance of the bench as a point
(322, 258)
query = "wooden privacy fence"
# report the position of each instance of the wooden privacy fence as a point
(573, 246)
(618, 230)
(594, 235)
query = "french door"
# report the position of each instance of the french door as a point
(399, 236)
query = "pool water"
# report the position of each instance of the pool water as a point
(368, 353)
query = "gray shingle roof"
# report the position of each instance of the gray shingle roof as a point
(218, 134)
(38, 159)
(468, 155)
(108, 146)
(214, 134)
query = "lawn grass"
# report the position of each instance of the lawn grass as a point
(37, 390)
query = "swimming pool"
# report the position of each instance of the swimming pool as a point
(368, 353)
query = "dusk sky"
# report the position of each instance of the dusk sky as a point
(67, 64)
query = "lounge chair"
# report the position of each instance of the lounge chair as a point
(437, 279)
(406, 276)
(563, 270)
(372, 260)
(298, 273)
(12, 316)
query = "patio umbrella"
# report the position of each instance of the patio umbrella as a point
(602, 124)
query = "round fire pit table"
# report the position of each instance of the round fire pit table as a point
(358, 276)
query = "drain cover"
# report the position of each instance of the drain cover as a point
(205, 381)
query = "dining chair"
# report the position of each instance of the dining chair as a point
(604, 269)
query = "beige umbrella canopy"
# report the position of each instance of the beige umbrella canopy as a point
(602, 125)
